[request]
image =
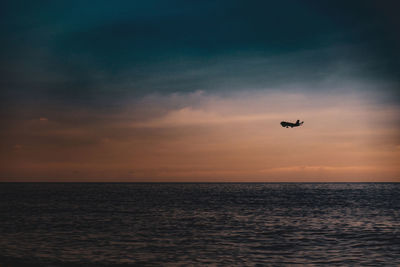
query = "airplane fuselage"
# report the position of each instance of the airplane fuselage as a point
(291, 124)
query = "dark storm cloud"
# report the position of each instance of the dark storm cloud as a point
(96, 52)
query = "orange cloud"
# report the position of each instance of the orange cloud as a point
(202, 137)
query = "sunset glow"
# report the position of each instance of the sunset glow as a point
(235, 137)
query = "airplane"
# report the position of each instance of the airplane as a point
(290, 124)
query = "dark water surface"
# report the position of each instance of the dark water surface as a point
(55, 224)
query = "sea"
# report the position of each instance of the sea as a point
(199, 224)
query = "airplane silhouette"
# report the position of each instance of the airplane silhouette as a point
(290, 124)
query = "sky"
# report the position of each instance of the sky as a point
(194, 91)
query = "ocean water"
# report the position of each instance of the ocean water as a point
(244, 224)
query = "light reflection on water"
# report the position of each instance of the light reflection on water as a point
(200, 224)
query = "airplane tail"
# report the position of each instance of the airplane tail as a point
(298, 122)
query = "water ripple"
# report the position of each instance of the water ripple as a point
(199, 224)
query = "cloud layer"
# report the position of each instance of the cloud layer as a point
(214, 137)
